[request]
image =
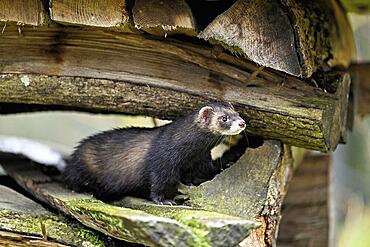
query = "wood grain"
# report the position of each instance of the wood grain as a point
(30, 12)
(164, 17)
(297, 37)
(260, 30)
(108, 13)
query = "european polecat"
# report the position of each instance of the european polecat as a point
(134, 161)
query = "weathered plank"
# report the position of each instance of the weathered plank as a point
(108, 13)
(179, 226)
(305, 216)
(165, 79)
(164, 17)
(30, 12)
(252, 188)
(283, 34)
(21, 220)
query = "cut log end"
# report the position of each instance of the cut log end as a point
(164, 18)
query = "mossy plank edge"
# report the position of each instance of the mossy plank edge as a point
(129, 224)
(213, 228)
(21, 215)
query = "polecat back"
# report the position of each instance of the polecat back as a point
(151, 162)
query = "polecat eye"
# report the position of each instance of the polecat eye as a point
(224, 118)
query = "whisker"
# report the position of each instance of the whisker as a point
(246, 138)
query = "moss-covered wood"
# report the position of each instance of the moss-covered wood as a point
(221, 229)
(297, 37)
(164, 17)
(164, 79)
(22, 220)
(252, 188)
(140, 222)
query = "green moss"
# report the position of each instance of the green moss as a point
(57, 228)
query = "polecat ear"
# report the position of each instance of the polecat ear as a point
(205, 113)
(231, 106)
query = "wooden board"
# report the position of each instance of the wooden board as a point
(165, 79)
(305, 216)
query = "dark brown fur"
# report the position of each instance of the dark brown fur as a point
(150, 162)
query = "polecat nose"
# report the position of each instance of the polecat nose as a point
(242, 124)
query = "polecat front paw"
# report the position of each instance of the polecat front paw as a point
(163, 201)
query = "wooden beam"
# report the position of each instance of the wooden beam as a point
(30, 12)
(108, 13)
(170, 226)
(305, 216)
(283, 34)
(164, 17)
(165, 79)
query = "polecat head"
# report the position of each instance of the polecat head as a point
(221, 119)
